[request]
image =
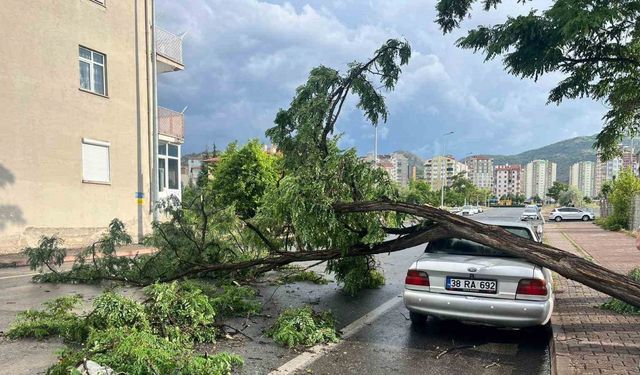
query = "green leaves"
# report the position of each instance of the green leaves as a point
(48, 253)
(594, 45)
(303, 326)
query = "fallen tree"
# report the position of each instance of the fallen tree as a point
(314, 203)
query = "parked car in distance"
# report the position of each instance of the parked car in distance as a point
(530, 213)
(480, 209)
(468, 210)
(463, 280)
(570, 213)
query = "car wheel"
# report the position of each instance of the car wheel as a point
(558, 219)
(585, 218)
(417, 319)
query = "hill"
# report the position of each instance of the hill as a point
(563, 153)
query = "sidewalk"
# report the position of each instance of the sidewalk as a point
(19, 260)
(587, 339)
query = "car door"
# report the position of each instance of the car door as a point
(575, 214)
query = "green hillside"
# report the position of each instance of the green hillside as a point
(563, 153)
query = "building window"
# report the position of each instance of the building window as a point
(93, 71)
(168, 167)
(95, 161)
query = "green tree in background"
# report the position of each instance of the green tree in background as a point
(242, 176)
(623, 189)
(595, 45)
(570, 197)
(419, 192)
(556, 189)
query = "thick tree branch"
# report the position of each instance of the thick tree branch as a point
(564, 263)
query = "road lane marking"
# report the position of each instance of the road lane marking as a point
(312, 354)
(16, 276)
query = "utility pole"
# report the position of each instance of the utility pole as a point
(443, 179)
(375, 147)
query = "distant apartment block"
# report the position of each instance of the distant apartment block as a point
(508, 179)
(84, 141)
(606, 171)
(440, 170)
(582, 175)
(480, 171)
(539, 176)
(396, 165)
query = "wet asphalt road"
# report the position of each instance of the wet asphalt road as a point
(389, 345)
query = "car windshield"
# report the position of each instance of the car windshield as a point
(530, 210)
(459, 246)
(466, 207)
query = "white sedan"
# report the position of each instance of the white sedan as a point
(463, 280)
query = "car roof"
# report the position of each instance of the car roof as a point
(508, 223)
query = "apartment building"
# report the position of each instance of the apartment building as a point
(84, 141)
(440, 170)
(539, 176)
(396, 165)
(606, 170)
(582, 175)
(480, 171)
(508, 179)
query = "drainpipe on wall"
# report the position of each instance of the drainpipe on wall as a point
(140, 188)
(154, 110)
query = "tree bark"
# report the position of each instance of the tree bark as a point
(560, 261)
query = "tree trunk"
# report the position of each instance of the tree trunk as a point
(438, 224)
(560, 261)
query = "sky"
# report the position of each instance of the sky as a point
(245, 58)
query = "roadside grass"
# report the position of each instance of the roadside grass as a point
(623, 307)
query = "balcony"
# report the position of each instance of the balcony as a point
(171, 124)
(168, 51)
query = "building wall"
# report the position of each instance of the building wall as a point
(508, 179)
(539, 176)
(46, 116)
(582, 176)
(441, 169)
(480, 171)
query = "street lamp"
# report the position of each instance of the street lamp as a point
(443, 180)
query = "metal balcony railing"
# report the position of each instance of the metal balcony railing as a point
(171, 123)
(169, 45)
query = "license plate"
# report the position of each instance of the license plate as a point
(472, 285)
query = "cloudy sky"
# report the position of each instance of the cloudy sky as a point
(244, 59)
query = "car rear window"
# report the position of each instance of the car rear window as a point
(460, 246)
(530, 210)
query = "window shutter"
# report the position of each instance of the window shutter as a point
(95, 161)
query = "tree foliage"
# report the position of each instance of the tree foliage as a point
(556, 189)
(242, 176)
(623, 189)
(595, 45)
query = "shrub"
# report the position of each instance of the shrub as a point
(55, 320)
(623, 307)
(180, 312)
(303, 326)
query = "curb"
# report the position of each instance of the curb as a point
(560, 364)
